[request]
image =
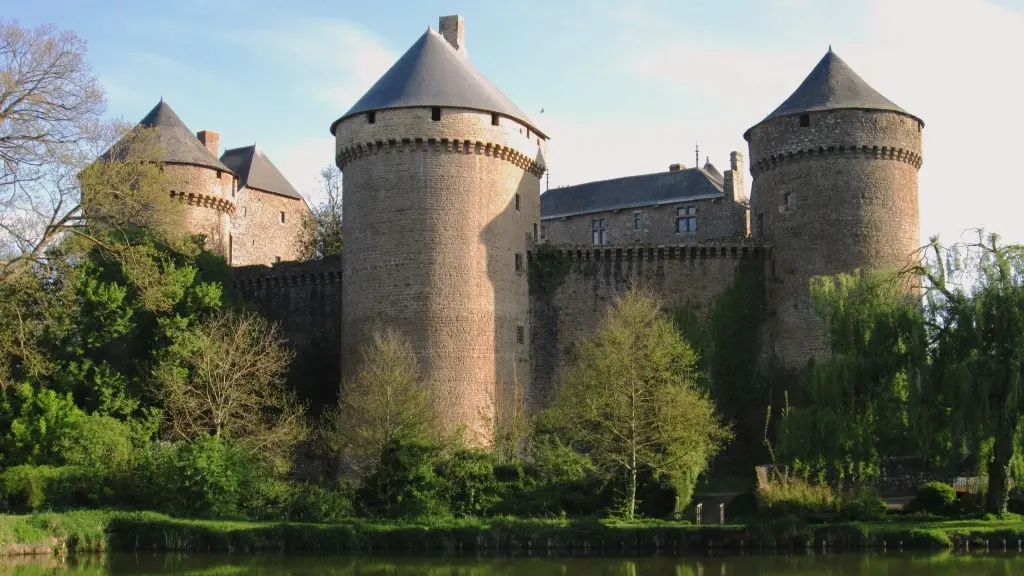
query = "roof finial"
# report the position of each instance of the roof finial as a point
(830, 48)
(696, 152)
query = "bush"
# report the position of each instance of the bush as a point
(29, 488)
(473, 489)
(861, 504)
(320, 503)
(405, 483)
(934, 498)
(791, 495)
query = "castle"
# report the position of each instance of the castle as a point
(444, 217)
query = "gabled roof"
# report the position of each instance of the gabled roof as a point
(712, 171)
(630, 192)
(255, 170)
(833, 85)
(433, 73)
(179, 144)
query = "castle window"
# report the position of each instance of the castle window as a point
(517, 202)
(218, 174)
(371, 117)
(520, 334)
(435, 113)
(686, 219)
(282, 217)
(600, 229)
(245, 210)
(277, 259)
(805, 120)
(543, 232)
(786, 202)
(760, 224)
(230, 246)
(636, 220)
(495, 120)
(519, 263)
(535, 231)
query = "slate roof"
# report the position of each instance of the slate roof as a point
(179, 144)
(630, 192)
(833, 85)
(255, 170)
(433, 73)
(712, 171)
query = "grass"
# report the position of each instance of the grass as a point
(84, 531)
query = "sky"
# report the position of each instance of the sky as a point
(626, 87)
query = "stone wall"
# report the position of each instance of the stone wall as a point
(258, 236)
(680, 275)
(304, 299)
(834, 196)
(716, 218)
(209, 194)
(437, 216)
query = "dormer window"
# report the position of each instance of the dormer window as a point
(495, 120)
(371, 117)
(435, 113)
(805, 120)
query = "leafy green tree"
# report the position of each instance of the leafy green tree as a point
(974, 298)
(631, 402)
(852, 408)
(386, 402)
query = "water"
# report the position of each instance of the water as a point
(832, 564)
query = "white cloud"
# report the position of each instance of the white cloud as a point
(951, 63)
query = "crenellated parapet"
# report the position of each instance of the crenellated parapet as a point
(286, 274)
(908, 156)
(711, 250)
(440, 145)
(201, 200)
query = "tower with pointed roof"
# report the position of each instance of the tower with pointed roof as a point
(834, 189)
(441, 173)
(201, 180)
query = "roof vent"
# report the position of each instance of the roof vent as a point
(676, 167)
(453, 29)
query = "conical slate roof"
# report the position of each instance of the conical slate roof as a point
(833, 85)
(179, 144)
(433, 73)
(255, 170)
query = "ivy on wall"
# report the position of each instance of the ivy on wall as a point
(547, 270)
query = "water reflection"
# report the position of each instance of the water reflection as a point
(832, 564)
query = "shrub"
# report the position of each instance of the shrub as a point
(863, 503)
(405, 483)
(473, 489)
(791, 495)
(320, 503)
(934, 498)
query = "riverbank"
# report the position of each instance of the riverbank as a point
(90, 531)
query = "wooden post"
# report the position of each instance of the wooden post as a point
(721, 512)
(699, 509)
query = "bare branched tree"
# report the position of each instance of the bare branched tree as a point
(228, 380)
(320, 236)
(52, 133)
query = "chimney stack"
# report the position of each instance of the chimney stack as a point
(211, 140)
(453, 29)
(733, 178)
(676, 167)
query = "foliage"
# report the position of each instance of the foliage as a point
(974, 299)
(548, 269)
(934, 498)
(630, 402)
(861, 503)
(405, 483)
(386, 402)
(786, 494)
(851, 409)
(320, 234)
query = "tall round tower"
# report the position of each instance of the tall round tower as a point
(834, 189)
(441, 174)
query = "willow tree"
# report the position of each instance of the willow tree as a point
(853, 406)
(632, 404)
(974, 295)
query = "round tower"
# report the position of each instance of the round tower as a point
(202, 181)
(441, 174)
(834, 189)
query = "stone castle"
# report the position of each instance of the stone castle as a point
(444, 217)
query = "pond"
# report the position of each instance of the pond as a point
(894, 564)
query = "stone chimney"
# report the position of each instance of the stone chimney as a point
(453, 29)
(211, 140)
(676, 167)
(733, 178)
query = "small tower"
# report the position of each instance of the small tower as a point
(205, 184)
(441, 173)
(835, 189)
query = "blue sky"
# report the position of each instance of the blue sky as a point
(626, 87)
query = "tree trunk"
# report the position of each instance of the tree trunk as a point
(999, 471)
(632, 492)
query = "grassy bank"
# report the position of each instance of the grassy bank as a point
(96, 530)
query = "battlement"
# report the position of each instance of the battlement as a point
(217, 203)
(412, 145)
(911, 157)
(738, 249)
(327, 271)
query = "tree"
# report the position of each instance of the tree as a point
(320, 234)
(631, 402)
(853, 407)
(974, 299)
(226, 378)
(387, 402)
(51, 134)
